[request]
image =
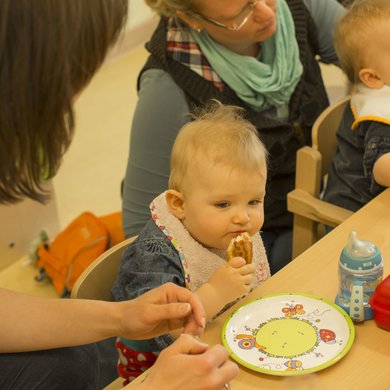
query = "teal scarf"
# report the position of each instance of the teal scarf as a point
(261, 83)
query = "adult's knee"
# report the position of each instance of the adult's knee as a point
(75, 368)
(78, 366)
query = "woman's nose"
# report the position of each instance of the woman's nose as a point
(262, 11)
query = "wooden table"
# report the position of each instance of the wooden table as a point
(367, 364)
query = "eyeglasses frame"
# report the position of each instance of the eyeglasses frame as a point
(214, 22)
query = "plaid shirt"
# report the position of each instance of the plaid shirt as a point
(182, 48)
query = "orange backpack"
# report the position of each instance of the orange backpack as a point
(76, 247)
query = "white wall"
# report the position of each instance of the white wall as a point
(140, 24)
(139, 13)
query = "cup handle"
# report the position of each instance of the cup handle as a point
(356, 307)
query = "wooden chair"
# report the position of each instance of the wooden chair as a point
(312, 167)
(96, 281)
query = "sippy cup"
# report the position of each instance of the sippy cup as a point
(360, 271)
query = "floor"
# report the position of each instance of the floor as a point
(90, 177)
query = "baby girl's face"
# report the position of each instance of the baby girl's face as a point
(220, 204)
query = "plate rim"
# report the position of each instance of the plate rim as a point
(322, 366)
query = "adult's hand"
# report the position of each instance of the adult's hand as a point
(162, 310)
(191, 365)
(55, 323)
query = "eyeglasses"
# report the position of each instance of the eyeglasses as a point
(246, 14)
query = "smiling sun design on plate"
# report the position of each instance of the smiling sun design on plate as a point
(282, 334)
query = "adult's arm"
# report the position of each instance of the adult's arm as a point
(160, 112)
(325, 14)
(30, 323)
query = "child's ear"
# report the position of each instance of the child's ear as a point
(370, 78)
(175, 203)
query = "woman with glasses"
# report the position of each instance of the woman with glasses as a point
(260, 55)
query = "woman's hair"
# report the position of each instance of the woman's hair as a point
(170, 7)
(49, 51)
(220, 135)
(352, 34)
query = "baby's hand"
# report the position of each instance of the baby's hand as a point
(233, 280)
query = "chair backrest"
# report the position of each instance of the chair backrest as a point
(324, 132)
(313, 163)
(96, 280)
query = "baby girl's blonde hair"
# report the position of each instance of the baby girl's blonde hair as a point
(219, 134)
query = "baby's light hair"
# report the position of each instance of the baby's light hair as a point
(351, 35)
(170, 7)
(219, 134)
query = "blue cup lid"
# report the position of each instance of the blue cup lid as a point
(360, 255)
(360, 263)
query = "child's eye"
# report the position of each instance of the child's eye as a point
(222, 205)
(255, 202)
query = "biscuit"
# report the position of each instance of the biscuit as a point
(240, 246)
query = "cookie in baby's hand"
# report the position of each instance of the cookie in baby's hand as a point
(240, 246)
